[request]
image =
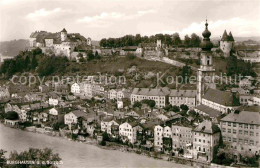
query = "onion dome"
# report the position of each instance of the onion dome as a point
(206, 44)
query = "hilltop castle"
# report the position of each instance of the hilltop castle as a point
(59, 43)
(226, 43)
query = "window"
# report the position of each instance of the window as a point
(251, 126)
(240, 125)
(234, 131)
(229, 124)
(246, 126)
(251, 133)
(224, 123)
(240, 132)
(251, 142)
(229, 139)
(224, 138)
(245, 132)
(234, 124)
(234, 140)
(246, 141)
(229, 130)
(240, 140)
(257, 134)
(224, 130)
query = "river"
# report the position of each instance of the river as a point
(75, 154)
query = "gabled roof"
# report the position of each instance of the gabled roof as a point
(79, 113)
(129, 48)
(151, 92)
(207, 127)
(220, 97)
(246, 115)
(183, 93)
(210, 111)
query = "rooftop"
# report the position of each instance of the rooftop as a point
(151, 92)
(210, 111)
(207, 127)
(220, 97)
(244, 115)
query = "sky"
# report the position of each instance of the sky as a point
(99, 19)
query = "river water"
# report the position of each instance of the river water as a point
(76, 154)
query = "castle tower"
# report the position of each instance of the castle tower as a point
(63, 34)
(226, 43)
(206, 71)
(159, 44)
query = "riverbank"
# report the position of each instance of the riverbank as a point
(111, 146)
(77, 155)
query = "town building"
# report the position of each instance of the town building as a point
(223, 101)
(205, 137)
(156, 94)
(4, 93)
(179, 97)
(128, 131)
(240, 131)
(182, 139)
(161, 132)
(72, 117)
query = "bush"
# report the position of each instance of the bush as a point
(12, 115)
(103, 143)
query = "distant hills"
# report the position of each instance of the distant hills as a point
(13, 47)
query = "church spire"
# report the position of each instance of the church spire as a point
(206, 44)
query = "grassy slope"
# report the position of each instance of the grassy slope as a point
(112, 65)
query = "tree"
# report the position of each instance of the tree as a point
(176, 40)
(187, 40)
(2, 158)
(184, 107)
(34, 63)
(37, 51)
(97, 56)
(150, 103)
(43, 155)
(12, 115)
(90, 55)
(195, 40)
(137, 104)
(175, 109)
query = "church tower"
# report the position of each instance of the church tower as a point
(63, 34)
(206, 70)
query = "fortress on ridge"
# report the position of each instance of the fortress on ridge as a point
(59, 43)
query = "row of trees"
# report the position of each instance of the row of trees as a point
(129, 40)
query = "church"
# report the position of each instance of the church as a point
(210, 100)
(59, 43)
